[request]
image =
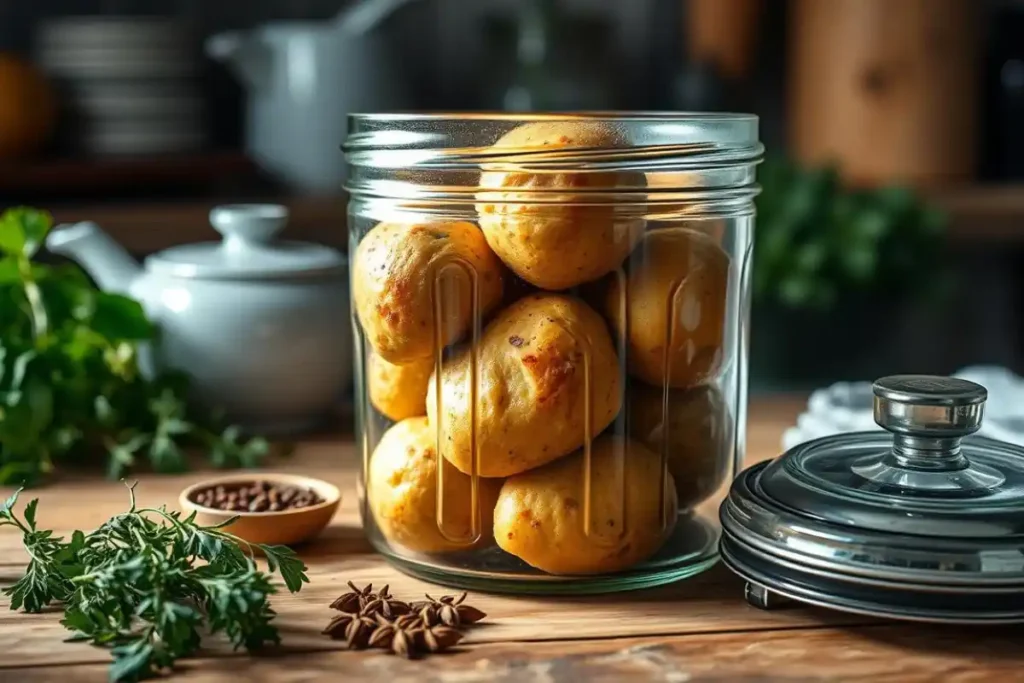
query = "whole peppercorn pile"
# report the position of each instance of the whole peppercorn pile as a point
(256, 496)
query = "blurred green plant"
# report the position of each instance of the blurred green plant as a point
(818, 243)
(70, 382)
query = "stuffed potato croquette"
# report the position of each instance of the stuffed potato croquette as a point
(402, 493)
(531, 398)
(393, 283)
(677, 274)
(539, 517)
(543, 225)
(399, 391)
(695, 432)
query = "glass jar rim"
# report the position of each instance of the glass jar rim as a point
(597, 115)
(441, 155)
(647, 129)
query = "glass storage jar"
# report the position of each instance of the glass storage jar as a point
(550, 315)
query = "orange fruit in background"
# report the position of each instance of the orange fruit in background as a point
(27, 107)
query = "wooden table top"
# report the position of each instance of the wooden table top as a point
(696, 630)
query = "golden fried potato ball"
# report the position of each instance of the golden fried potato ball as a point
(696, 435)
(532, 365)
(402, 493)
(539, 517)
(399, 391)
(393, 282)
(543, 225)
(677, 273)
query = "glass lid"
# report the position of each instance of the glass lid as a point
(923, 510)
(921, 478)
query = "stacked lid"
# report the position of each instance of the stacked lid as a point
(918, 522)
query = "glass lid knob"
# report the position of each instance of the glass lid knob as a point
(925, 406)
(928, 417)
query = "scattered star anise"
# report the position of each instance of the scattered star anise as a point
(408, 637)
(381, 621)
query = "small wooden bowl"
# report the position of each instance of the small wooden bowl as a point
(285, 527)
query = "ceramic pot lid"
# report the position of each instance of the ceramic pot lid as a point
(249, 249)
(917, 523)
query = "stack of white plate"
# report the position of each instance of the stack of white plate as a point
(130, 83)
(848, 407)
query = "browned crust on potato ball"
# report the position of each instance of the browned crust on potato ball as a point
(553, 239)
(393, 284)
(533, 361)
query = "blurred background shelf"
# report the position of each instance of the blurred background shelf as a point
(144, 228)
(984, 213)
(114, 176)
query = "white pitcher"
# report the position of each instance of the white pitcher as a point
(303, 78)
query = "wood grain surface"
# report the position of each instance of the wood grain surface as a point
(695, 630)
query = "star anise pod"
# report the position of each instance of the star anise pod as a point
(358, 634)
(404, 642)
(382, 635)
(338, 625)
(385, 605)
(408, 621)
(450, 616)
(429, 616)
(469, 614)
(450, 611)
(401, 637)
(354, 630)
(354, 601)
(440, 638)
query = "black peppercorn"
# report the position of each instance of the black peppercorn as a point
(257, 496)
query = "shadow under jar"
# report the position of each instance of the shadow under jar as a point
(550, 315)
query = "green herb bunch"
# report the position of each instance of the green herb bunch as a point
(147, 582)
(70, 384)
(818, 242)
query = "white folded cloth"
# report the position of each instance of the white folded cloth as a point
(847, 407)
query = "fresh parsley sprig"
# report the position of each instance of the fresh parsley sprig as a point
(819, 243)
(147, 583)
(70, 382)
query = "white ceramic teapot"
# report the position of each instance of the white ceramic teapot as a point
(261, 325)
